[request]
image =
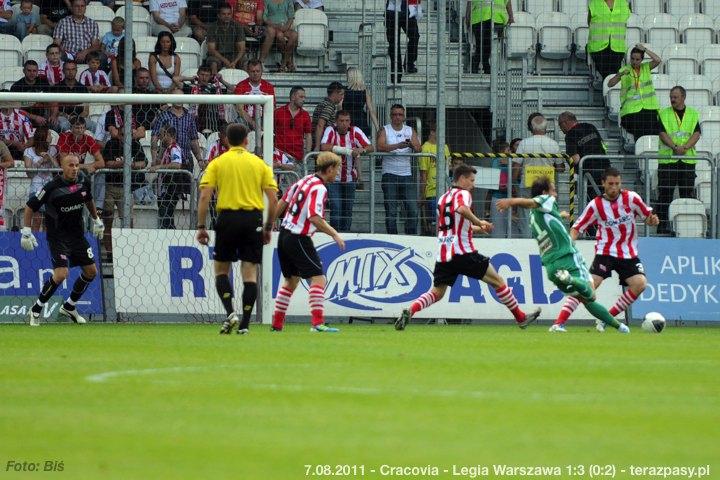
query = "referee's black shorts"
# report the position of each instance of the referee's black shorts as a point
(239, 236)
(472, 265)
(297, 255)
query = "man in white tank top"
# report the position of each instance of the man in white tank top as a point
(397, 180)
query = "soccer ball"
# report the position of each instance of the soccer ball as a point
(653, 323)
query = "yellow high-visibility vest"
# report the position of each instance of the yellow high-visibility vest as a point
(637, 91)
(679, 130)
(608, 27)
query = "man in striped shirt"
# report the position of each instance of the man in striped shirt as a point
(350, 142)
(457, 254)
(303, 205)
(616, 248)
(16, 131)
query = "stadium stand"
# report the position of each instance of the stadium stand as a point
(34, 46)
(10, 51)
(688, 218)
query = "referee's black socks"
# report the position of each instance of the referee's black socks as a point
(47, 291)
(249, 296)
(225, 291)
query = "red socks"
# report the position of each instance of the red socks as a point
(625, 300)
(506, 297)
(571, 303)
(425, 300)
(282, 301)
(317, 308)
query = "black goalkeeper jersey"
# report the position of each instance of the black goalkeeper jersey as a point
(64, 201)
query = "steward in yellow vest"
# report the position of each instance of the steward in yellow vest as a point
(478, 15)
(607, 20)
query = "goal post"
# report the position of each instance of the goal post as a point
(148, 252)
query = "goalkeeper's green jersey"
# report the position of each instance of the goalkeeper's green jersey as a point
(549, 231)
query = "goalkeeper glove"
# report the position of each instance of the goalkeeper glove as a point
(28, 241)
(342, 150)
(98, 227)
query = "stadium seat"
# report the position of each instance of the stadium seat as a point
(612, 98)
(312, 29)
(687, 217)
(102, 15)
(679, 8)
(634, 33)
(580, 38)
(711, 8)
(144, 46)
(521, 37)
(554, 35)
(646, 7)
(538, 7)
(710, 122)
(648, 145)
(212, 138)
(34, 46)
(141, 20)
(572, 8)
(233, 75)
(663, 84)
(699, 90)
(716, 90)
(189, 51)
(10, 51)
(679, 59)
(54, 137)
(703, 171)
(697, 30)
(96, 111)
(10, 75)
(708, 56)
(660, 30)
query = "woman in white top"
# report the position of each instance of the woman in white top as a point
(164, 64)
(40, 155)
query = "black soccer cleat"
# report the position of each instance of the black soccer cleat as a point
(530, 318)
(402, 320)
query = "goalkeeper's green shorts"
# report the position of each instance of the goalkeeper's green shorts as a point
(582, 284)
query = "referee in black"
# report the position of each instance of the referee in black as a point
(240, 180)
(65, 197)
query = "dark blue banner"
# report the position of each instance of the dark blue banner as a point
(683, 279)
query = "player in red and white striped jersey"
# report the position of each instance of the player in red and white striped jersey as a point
(304, 205)
(457, 254)
(350, 142)
(52, 68)
(614, 213)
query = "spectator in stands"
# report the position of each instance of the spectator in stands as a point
(169, 189)
(27, 21)
(428, 180)
(115, 123)
(318, 4)
(32, 82)
(40, 155)
(350, 143)
(205, 83)
(278, 17)
(325, 111)
(170, 16)
(66, 111)
(117, 65)
(217, 148)
(110, 42)
(583, 139)
(639, 105)
(249, 14)
(514, 143)
(144, 114)
(185, 127)
(202, 14)
(16, 130)
(225, 42)
(679, 132)
(77, 34)
(507, 179)
(534, 168)
(164, 64)
(253, 85)
(51, 12)
(398, 139)
(358, 102)
(293, 126)
(607, 20)
(6, 14)
(95, 79)
(478, 19)
(52, 68)
(6, 161)
(78, 142)
(407, 12)
(114, 191)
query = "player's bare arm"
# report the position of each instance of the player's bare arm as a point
(206, 194)
(325, 227)
(271, 195)
(479, 226)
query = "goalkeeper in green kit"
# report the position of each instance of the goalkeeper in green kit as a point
(564, 264)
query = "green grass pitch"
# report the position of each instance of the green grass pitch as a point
(179, 401)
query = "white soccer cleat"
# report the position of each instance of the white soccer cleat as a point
(624, 328)
(73, 315)
(600, 326)
(556, 327)
(34, 319)
(230, 322)
(563, 276)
